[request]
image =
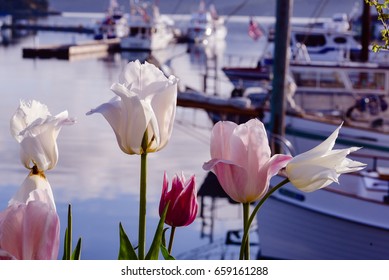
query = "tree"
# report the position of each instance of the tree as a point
(382, 12)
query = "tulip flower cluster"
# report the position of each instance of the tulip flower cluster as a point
(142, 118)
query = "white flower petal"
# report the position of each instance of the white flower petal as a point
(320, 166)
(34, 188)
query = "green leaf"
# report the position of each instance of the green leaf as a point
(153, 253)
(77, 251)
(165, 253)
(164, 250)
(126, 250)
(66, 245)
(67, 250)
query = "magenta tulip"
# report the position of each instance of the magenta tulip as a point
(182, 199)
(240, 158)
(30, 230)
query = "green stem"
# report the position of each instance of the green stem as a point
(172, 232)
(246, 215)
(142, 207)
(255, 211)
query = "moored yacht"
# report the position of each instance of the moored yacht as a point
(148, 29)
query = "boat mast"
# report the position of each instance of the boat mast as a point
(280, 69)
(365, 36)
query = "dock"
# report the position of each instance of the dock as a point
(47, 27)
(69, 50)
(218, 105)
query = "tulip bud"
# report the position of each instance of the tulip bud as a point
(182, 199)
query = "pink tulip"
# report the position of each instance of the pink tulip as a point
(240, 158)
(183, 205)
(30, 230)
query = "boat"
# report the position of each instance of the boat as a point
(148, 29)
(330, 40)
(206, 25)
(347, 221)
(113, 25)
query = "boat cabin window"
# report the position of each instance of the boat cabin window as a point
(140, 31)
(318, 79)
(134, 31)
(340, 40)
(311, 40)
(367, 80)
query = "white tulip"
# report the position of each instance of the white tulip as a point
(37, 130)
(145, 105)
(321, 166)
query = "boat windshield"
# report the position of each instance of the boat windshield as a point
(367, 80)
(323, 79)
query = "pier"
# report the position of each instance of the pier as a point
(69, 50)
(47, 27)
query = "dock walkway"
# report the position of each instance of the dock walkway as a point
(69, 50)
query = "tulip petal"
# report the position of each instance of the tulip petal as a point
(312, 178)
(220, 139)
(232, 178)
(185, 205)
(4, 255)
(30, 231)
(164, 107)
(41, 232)
(25, 115)
(145, 77)
(34, 187)
(163, 201)
(11, 231)
(322, 148)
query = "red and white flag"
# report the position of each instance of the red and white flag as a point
(254, 31)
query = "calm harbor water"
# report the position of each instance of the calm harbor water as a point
(93, 174)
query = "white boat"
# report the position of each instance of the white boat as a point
(345, 221)
(114, 24)
(338, 85)
(206, 25)
(148, 30)
(331, 40)
(356, 93)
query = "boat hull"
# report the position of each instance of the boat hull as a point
(290, 226)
